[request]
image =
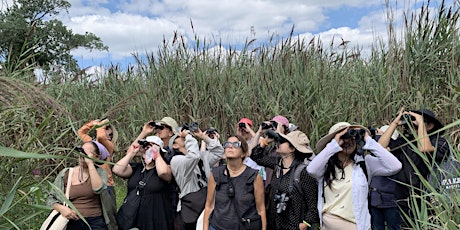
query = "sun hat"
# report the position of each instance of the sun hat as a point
(245, 120)
(156, 140)
(103, 152)
(395, 134)
(340, 126)
(281, 120)
(299, 140)
(169, 121)
(429, 116)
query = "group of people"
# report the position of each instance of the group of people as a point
(263, 178)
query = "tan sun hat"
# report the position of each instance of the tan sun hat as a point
(321, 144)
(169, 121)
(299, 140)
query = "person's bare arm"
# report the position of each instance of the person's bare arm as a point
(260, 200)
(384, 140)
(122, 167)
(209, 206)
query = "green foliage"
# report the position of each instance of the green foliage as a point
(29, 34)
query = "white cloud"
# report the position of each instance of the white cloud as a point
(140, 25)
(123, 33)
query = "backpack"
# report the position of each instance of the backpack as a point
(446, 178)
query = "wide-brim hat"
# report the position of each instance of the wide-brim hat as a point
(338, 127)
(156, 140)
(299, 140)
(429, 116)
(169, 121)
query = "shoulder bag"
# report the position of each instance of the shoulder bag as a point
(127, 214)
(55, 220)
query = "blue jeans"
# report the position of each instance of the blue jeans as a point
(390, 215)
(96, 223)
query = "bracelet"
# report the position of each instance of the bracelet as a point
(305, 222)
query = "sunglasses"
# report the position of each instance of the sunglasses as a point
(228, 144)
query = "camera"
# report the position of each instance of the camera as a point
(193, 127)
(242, 125)
(406, 118)
(280, 200)
(143, 143)
(230, 190)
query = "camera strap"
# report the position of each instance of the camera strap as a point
(143, 181)
(235, 205)
(279, 172)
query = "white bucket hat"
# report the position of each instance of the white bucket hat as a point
(156, 140)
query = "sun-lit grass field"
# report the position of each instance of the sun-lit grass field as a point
(313, 84)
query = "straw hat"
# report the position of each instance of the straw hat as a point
(299, 140)
(338, 127)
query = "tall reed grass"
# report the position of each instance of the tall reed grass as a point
(313, 85)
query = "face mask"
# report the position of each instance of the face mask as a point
(150, 154)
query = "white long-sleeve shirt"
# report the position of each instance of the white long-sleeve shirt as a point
(382, 164)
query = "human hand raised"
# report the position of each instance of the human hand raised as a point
(133, 149)
(338, 136)
(397, 120)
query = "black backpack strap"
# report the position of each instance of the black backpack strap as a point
(362, 164)
(298, 171)
(217, 173)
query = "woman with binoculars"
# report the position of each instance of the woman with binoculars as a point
(343, 169)
(148, 202)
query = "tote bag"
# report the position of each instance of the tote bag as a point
(55, 220)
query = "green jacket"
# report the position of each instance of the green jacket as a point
(59, 182)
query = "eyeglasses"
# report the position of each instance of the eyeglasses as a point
(228, 144)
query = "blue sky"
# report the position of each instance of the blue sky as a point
(139, 26)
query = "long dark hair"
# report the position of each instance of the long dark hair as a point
(330, 174)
